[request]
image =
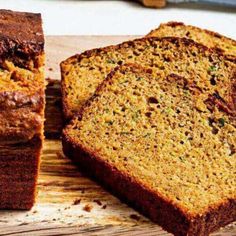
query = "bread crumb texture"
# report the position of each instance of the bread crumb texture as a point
(209, 70)
(158, 130)
(205, 37)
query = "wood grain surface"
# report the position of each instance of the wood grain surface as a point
(69, 203)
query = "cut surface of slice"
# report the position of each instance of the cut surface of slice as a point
(154, 142)
(203, 36)
(211, 71)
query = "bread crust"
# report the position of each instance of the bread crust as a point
(21, 39)
(68, 114)
(24, 110)
(175, 23)
(21, 35)
(22, 107)
(19, 164)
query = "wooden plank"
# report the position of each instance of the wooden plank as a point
(93, 230)
(65, 196)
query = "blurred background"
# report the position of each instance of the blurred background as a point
(68, 17)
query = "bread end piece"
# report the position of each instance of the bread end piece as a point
(22, 103)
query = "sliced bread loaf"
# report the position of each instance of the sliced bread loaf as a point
(203, 36)
(154, 142)
(210, 70)
(22, 102)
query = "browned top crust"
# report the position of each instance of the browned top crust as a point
(21, 76)
(175, 23)
(21, 34)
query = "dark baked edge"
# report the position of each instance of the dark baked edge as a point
(53, 111)
(24, 45)
(27, 44)
(67, 116)
(21, 161)
(170, 217)
(11, 103)
(20, 99)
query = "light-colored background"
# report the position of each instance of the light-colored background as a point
(73, 17)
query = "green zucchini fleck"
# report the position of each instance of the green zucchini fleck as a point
(212, 68)
(125, 133)
(111, 61)
(221, 122)
(139, 79)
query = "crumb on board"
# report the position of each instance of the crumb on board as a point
(23, 223)
(104, 206)
(50, 69)
(87, 208)
(98, 202)
(76, 201)
(135, 217)
(44, 221)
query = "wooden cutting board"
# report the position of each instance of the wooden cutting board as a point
(69, 203)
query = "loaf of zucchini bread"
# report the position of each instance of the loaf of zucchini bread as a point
(209, 69)
(203, 36)
(22, 102)
(153, 140)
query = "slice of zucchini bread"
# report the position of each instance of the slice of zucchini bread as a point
(212, 71)
(155, 143)
(203, 36)
(22, 101)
